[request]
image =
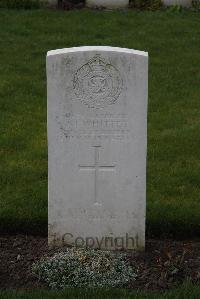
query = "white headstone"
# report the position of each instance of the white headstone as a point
(97, 120)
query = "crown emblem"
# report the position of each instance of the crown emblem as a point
(96, 63)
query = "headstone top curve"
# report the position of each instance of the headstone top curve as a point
(96, 48)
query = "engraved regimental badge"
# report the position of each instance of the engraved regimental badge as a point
(97, 83)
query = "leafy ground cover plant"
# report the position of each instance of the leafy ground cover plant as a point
(79, 267)
(196, 5)
(146, 4)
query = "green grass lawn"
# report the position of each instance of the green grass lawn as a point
(173, 43)
(186, 291)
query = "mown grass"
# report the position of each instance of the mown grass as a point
(187, 291)
(173, 43)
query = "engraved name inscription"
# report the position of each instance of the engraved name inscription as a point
(99, 127)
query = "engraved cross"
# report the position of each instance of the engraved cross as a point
(96, 168)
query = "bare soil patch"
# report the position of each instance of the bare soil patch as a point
(164, 264)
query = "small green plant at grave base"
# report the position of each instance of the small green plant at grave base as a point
(79, 267)
(70, 4)
(20, 4)
(146, 4)
(196, 5)
(175, 8)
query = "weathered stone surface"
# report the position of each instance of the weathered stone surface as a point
(97, 118)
